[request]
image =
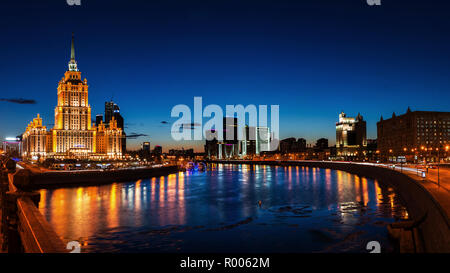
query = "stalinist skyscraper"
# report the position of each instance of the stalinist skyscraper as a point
(72, 132)
(73, 135)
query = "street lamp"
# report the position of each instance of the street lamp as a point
(439, 161)
(416, 159)
(429, 154)
(446, 150)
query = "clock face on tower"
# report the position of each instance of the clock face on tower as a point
(73, 65)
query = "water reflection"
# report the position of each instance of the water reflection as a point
(218, 209)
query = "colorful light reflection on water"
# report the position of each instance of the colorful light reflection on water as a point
(302, 210)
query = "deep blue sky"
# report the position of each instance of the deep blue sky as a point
(314, 58)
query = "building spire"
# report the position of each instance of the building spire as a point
(72, 62)
(72, 50)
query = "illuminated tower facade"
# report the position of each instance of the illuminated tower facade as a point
(34, 140)
(73, 134)
(351, 138)
(109, 140)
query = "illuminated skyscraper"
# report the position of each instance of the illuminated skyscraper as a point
(112, 110)
(157, 150)
(350, 136)
(98, 119)
(73, 134)
(146, 146)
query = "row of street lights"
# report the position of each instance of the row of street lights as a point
(429, 149)
(425, 149)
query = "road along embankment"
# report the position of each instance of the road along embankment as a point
(435, 229)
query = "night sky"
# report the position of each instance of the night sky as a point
(314, 58)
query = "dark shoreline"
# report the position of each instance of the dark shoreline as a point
(92, 178)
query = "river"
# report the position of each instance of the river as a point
(228, 208)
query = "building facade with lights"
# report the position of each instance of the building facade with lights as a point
(112, 111)
(350, 137)
(417, 135)
(255, 140)
(12, 146)
(73, 135)
(34, 140)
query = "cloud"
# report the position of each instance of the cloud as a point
(135, 135)
(19, 100)
(163, 124)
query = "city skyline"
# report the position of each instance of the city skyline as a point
(226, 134)
(270, 59)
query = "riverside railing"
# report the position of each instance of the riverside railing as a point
(23, 228)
